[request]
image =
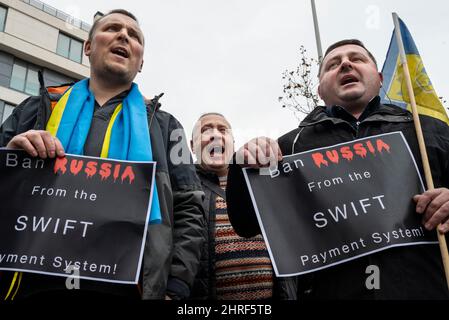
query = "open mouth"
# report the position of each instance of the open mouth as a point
(348, 80)
(216, 151)
(120, 52)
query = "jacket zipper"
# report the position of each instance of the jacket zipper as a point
(358, 123)
(151, 119)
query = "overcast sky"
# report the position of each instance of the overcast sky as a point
(228, 56)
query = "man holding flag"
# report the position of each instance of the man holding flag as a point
(349, 86)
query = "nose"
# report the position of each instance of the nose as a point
(123, 35)
(215, 134)
(346, 64)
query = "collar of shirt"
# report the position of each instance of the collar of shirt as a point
(100, 121)
(341, 113)
(114, 100)
(107, 109)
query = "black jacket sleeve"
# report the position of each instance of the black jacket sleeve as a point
(189, 227)
(23, 118)
(240, 207)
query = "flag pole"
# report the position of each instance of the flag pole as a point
(317, 32)
(419, 134)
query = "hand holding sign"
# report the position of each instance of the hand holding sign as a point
(69, 211)
(434, 205)
(37, 143)
(331, 205)
(259, 152)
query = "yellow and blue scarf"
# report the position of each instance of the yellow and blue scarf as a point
(127, 136)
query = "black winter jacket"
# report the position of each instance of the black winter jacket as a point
(413, 272)
(204, 286)
(172, 248)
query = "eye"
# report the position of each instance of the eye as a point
(359, 59)
(205, 129)
(112, 27)
(332, 65)
(134, 34)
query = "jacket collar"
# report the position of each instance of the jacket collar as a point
(341, 113)
(210, 181)
(55, 93)
(337, 111)
(374, 111)
(212, 177)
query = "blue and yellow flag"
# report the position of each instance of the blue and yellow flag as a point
(395, 87)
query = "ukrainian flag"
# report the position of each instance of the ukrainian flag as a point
(395, 87)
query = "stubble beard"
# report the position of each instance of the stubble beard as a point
(115, 76)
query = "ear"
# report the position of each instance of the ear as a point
(87, 48)
(233, 141)
(141, 66)
(191, 146)
(381, 78)
(319, 92)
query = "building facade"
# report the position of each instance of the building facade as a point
(37, 37)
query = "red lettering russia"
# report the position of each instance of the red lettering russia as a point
(348, 152)
(91, 168)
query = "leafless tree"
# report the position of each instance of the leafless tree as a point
(300, 86)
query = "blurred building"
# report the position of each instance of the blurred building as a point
(37, 37)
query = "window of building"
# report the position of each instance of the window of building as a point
(18, 77)
(32, 83)
(69, 48)
(6, 112)
(24, 78)
(63, 48)
(2, 18)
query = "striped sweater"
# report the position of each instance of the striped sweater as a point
(243, 268)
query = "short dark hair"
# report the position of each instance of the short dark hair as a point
(120, 11)
(344, 43)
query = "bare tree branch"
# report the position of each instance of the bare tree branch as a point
(299, 91)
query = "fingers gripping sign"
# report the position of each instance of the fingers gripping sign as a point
(433, 205)
(261, 152)
(37, 143)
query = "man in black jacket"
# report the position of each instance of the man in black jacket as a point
(115, 49)
(231, 267)
(349, 86)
